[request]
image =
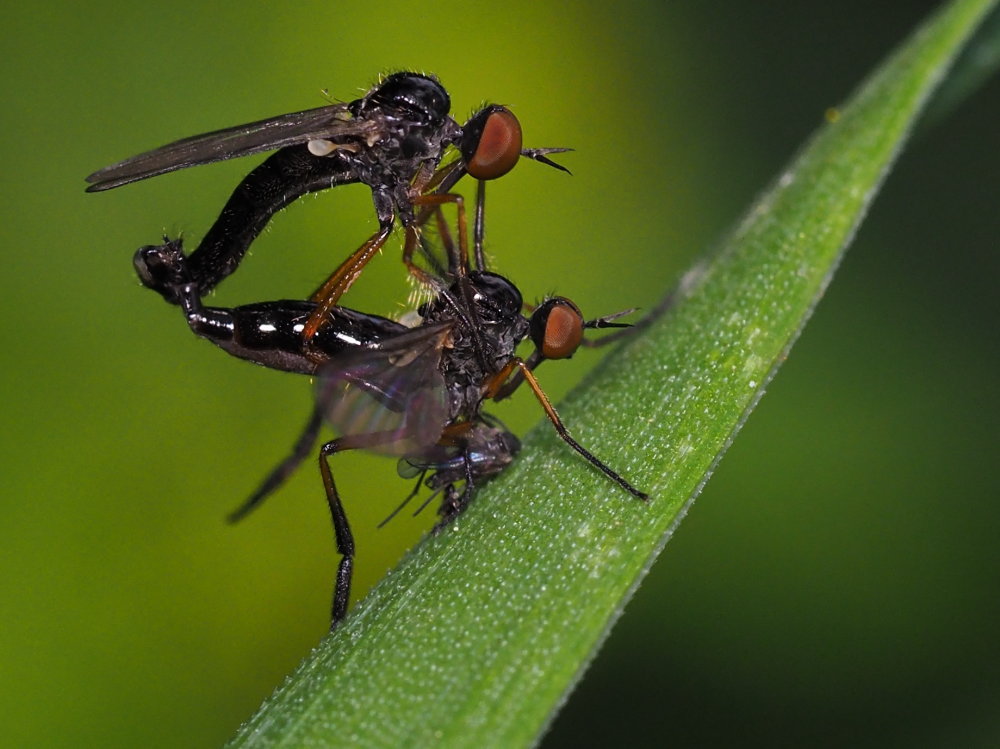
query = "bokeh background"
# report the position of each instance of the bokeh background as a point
(837, 582)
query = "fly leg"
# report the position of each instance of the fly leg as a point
(492, 388)
(568, 439)
(455, 501)
(327, 295)
(463, 305)
(280, 473)
(458, 256)
(341, 528)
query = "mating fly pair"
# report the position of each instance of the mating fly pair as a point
(414, 392)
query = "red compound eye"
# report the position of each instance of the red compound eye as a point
(557, 328)
(491, 144)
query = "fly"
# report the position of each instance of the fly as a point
(392, 139)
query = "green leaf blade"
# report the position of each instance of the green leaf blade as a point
(479, 634)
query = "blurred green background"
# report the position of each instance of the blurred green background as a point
(837, 583)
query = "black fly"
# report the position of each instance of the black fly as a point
(392, 139)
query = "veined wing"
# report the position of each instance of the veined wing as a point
(333, 122)
(395, 387)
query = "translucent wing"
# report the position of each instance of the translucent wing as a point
(332, 122)
(395, 389)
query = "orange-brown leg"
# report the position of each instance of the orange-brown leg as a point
(550, 411)
(458, 264)
(327, 296)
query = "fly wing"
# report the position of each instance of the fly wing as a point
(332, 122)
(395, 390)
